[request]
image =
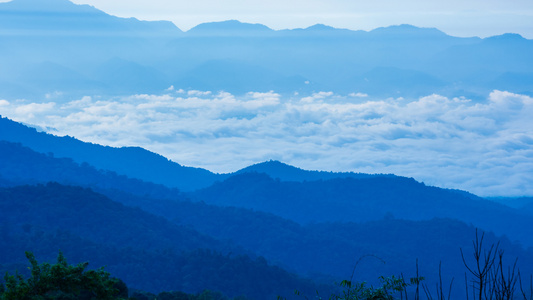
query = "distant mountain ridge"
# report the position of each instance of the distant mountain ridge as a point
(131, 161)
(139, 163)
(228, 28)
(63, 6)
(352, 199)
(311, 223)
(146, 251)
(62, 16)
(86, 41)
(284, 172)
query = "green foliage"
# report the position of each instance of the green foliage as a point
(205, 295)
(389, 287)
(61, 281)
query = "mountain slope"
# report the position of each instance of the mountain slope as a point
(319, 250)
(21, 165)
(130, 161)
(330, 249)
(62, 17)
(316, 250)
(83, 212)
(77, 37)
(147, 166)
(146, 251)
(228, 28)
(365, 199)
(420, 61)
(284, 172)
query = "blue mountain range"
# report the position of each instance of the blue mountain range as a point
(90, 52)
(119, 207)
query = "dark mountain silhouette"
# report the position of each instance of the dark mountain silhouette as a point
(85, 213)
(133, 162)
(314, 223)
(317, 250)
(330, 249)
(284, 172)
(353, 214)
(147, 166)
(146, 251)
(21, 165)
(364, 199)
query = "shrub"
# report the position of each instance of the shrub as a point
(62, 281)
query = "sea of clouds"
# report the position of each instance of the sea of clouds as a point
(485, 147)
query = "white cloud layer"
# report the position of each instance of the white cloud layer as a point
(482, 147)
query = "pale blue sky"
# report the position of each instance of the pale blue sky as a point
(461, 18)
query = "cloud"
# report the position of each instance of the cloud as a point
(198, 93)
(33, 110)
(485, 147)
(358, 95)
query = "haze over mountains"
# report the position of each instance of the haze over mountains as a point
(57, 46)
(244, 99)
(452, 112)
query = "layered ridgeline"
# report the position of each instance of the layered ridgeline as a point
(134, 161)
(273, 187)
(57, 47)
(130, 161)
(316, 224)
(146, 251)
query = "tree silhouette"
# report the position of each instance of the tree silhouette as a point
(62, 281)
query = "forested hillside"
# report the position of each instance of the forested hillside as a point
(21, 165)
(200, 199)
(365, 199)
(129, 161)
(146, 251)
(312, 225)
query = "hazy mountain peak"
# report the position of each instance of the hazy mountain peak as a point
(507, 37)
(406, 30)
(57, 17)
(47, 6)
(229, 28)
(284, 172)
(269, 167)
(321, 27)
(230, 25)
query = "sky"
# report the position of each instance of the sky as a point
(456, 17)
(484, 147)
